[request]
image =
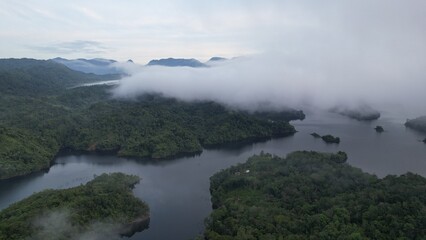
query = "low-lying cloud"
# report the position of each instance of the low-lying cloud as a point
(79, 46)
(57, 225)
(341, 53)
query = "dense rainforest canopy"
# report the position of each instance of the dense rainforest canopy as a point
(310, 195)
(104, 205)
(41, 114)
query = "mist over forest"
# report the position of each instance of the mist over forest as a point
(342, 54)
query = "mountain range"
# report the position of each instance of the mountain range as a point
(101, 66)
(97, 66)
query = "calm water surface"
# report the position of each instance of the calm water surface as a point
(177, 191)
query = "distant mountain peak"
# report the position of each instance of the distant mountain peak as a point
(177, 62)
(215, 59)
(96, 65)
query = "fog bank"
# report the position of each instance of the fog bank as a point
(337, 53)
(56, 224)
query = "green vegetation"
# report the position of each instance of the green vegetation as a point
(330, 139)
(326, 138)
(29, 77)
(311, 195)
(107, 199)
(418, 124)
(22, 152)
(379, 129)
(41, 116)
(315, 135)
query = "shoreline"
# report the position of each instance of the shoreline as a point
(231, 144)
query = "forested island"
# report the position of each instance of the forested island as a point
(104, 207)
(330, 139)
(326, 138)
(418, 124)
(315, 135)
(311, 195)
(42, 114)
(360, 113)
(379, 129)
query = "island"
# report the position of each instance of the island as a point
(379, 129)
(418, 124)
(315, 135)
(44, 114)
(104, 206)
(330, 139)
(360, 113)
(424, 140)
(311, 195)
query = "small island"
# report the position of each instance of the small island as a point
(330, 139)
(379, 129)
(424, 140)
(315, 135)
(104, 207)
(311, 195)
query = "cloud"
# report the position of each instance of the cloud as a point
(79, 46)
(87, 12)
(318, 55)
(57, 225)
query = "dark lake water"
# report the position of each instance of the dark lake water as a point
(177, 191)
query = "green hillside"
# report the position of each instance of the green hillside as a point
(310, 195)
(105, 201)
(41, 116)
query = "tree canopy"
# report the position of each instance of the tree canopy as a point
(40, 115)
(107, 200)
(311, 195)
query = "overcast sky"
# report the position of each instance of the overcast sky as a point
(142, 30)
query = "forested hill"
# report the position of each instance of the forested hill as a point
(32, 77)
(311, 195)
(105, 207)
(40, 116)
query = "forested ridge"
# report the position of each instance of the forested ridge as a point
(311, 195)
(41, 115)
(105, 201)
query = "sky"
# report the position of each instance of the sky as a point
(142, 30)
(138, 30)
